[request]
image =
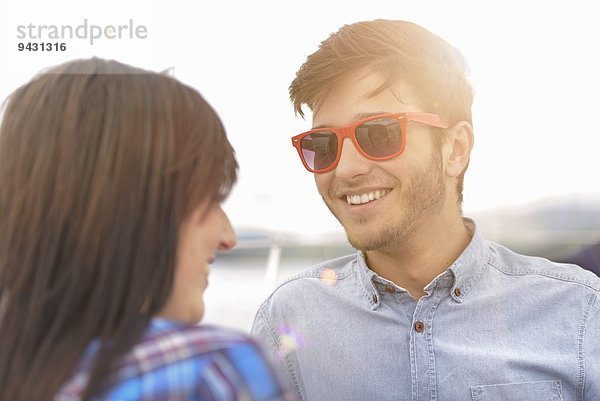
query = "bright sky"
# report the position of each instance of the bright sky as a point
(534, 67)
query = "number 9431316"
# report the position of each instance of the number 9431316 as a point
(42, 47)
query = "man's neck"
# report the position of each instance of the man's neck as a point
(431, 250)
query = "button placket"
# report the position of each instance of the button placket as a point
(421, 337)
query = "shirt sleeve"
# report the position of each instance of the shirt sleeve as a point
(591, 346)
(265, 335)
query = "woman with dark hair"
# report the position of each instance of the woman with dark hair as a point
(111, 179)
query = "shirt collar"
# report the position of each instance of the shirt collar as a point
(459, 278)
(471, 264)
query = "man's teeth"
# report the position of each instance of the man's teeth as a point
(366, 198)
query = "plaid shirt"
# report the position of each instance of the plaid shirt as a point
(177, 362)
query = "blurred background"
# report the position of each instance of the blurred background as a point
(532, 182)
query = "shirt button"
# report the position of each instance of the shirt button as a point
(374, 298)
(390, 289)
(420, 326)
(457, 291)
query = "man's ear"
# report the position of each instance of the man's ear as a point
(458, 145)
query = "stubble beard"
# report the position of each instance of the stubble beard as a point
(424, 195)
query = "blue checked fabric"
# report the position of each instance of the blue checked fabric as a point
(177, 362)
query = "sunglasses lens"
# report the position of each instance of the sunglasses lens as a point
(319, 149)
(380, 138)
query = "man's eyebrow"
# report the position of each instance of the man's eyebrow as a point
(356, 117)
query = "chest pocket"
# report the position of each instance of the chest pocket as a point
(547, 390)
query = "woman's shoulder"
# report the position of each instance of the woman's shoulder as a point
(208, 355)
(179, 340)
(181, 360)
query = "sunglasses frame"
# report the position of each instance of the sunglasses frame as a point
(349, 131)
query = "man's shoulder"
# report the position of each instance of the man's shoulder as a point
(511, 263)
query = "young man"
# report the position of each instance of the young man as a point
(427, 309)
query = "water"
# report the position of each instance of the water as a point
(237, 287)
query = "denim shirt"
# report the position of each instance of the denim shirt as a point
(495, 325)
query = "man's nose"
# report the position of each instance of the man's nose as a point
(352, 163)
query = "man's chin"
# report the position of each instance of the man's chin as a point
(362, 242)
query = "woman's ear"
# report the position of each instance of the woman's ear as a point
(459, 142)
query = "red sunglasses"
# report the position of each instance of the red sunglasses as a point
(379, 137)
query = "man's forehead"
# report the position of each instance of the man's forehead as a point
(357, 116)
(363, 95)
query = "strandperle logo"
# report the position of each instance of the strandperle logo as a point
(87, 31)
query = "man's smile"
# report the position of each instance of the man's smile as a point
(366, 196)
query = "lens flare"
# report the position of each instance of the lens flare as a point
(329, 276)
(291, 340)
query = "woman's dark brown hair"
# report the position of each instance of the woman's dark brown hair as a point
(100, 163)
